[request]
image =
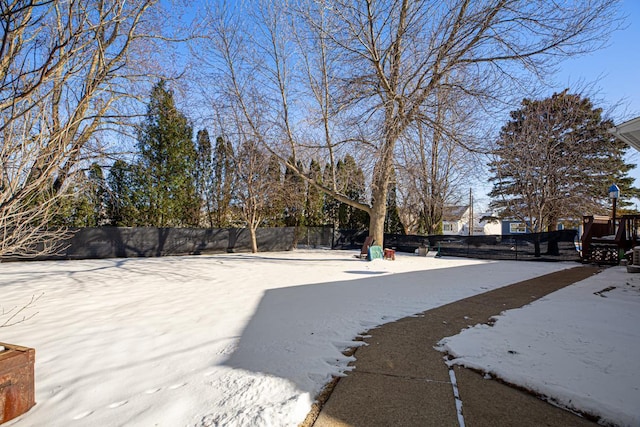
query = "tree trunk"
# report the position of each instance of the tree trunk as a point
(379, 192)
(377, 216)
(254, 241)
(552, 242)
(536, 245)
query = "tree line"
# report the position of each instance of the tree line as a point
(176, 180)
(379, 109)
(550, 162)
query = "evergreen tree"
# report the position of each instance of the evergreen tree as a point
(73, 208)
(124, 197)
(294, 197)
(97, 193)
(392, 223)
(204, 174)
(276, 206)
(168, 163)
(315, 199)
(351, 182)
(84, 203)
(330, 205)
(555, 159)
(223, 182)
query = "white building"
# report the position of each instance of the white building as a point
(455, 220)
(487, 224)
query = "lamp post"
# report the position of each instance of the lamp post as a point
(614, 193)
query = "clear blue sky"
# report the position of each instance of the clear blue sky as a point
(614, 71)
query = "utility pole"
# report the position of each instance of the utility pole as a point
(470, 212)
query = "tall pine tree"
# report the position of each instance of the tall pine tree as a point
(124, 196)
(315, 199)
(204, 174)
(555, 159)
(223, 182)
(392, 222)
(294, 197)
(351, 182)
(168, 160)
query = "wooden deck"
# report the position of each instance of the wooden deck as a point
(604, 242)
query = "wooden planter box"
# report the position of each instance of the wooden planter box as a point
(17, 392)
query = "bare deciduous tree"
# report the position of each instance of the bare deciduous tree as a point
(401, 52)
(434, 166)
(256, 190)
(66, 69)
(373, 66)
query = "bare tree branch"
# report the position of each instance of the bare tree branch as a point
(12, 315)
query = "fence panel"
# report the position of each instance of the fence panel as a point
(549, 246)
(121, 242)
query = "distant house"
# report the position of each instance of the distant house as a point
(516, 226)
(486, 224)
(513, 226)
(455, 220)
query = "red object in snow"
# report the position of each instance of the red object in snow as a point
(17, 391)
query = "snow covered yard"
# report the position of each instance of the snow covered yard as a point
(233, 340)
(579, 346)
